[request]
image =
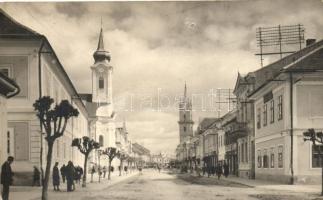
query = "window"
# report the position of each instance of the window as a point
(246, 151)
(184, 128)
(57, 149)
(101, 82)
(184, 117)
(8, 143)
(265, 159)
(272, 112)
(280, 107)
(280, 156)
(101, 140)
(272, 158)
(242, 154)
(5, 71)
(265, 115)
(259, 118)
(316, 161)
(259, 159)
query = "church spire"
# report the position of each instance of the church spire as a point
(101, 43)
(101, 54)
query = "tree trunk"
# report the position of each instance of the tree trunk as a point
(85, 170)
(47, 172)
(109, 174)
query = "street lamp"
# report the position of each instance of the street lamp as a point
(315, 137)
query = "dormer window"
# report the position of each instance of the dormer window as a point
(101, 82)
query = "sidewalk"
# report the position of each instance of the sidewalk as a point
(269, 185)
(34, 193)
(266, 185)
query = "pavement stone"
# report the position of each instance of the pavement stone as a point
(34, 193)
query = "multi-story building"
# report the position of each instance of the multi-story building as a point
(245, 122)
(207, 141)
(229, 123)
(8, 89)
(29, 58)
(288, 100)
(141, 155)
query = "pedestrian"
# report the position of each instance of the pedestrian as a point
(63, 173)
(208, 171)
(158, 167)
(6, 177)
(104, 171)
(219, 171)
(126, 169)
(226, 170)
(140, 170)
(70, 171)
(112, 168)
(80, 173)
(36, 177)
(92, 173)
(56, 177)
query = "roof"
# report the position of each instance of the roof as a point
(10, 28)
(205, 124)
(8, 87)
(307, 59)
(140, 149)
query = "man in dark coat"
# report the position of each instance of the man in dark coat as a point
(6, 177)
(56, 177)
(226, 169)
(36, 177)
(70, 171)
(63, 173)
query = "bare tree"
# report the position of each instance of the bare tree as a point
(54, 121)
(111, 152)
(85, 145)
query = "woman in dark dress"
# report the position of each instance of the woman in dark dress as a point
(56, 177)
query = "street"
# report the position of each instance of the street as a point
(152, 185)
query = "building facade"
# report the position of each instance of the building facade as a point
(282, 90)
(28, 57)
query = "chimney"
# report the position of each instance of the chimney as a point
(310, 41)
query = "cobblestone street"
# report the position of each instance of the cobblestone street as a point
(170, 186)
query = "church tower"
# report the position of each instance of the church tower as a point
(101, 74)
(185, 117)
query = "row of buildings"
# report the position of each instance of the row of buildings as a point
(29, 69)
(262, 137)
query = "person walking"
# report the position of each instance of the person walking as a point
(70, 171)
(6, 177)
(219, 171)
(56, 177)
(104, 171)
(36, 177)
(63, 173)
(92, 173)
(226, 170)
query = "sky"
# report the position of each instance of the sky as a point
(158, 46)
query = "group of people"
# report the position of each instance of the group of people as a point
(218, 170)
(69, 173)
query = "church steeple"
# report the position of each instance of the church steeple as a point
(101, 54)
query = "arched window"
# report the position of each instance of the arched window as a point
(101, 82)
(101, 140)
